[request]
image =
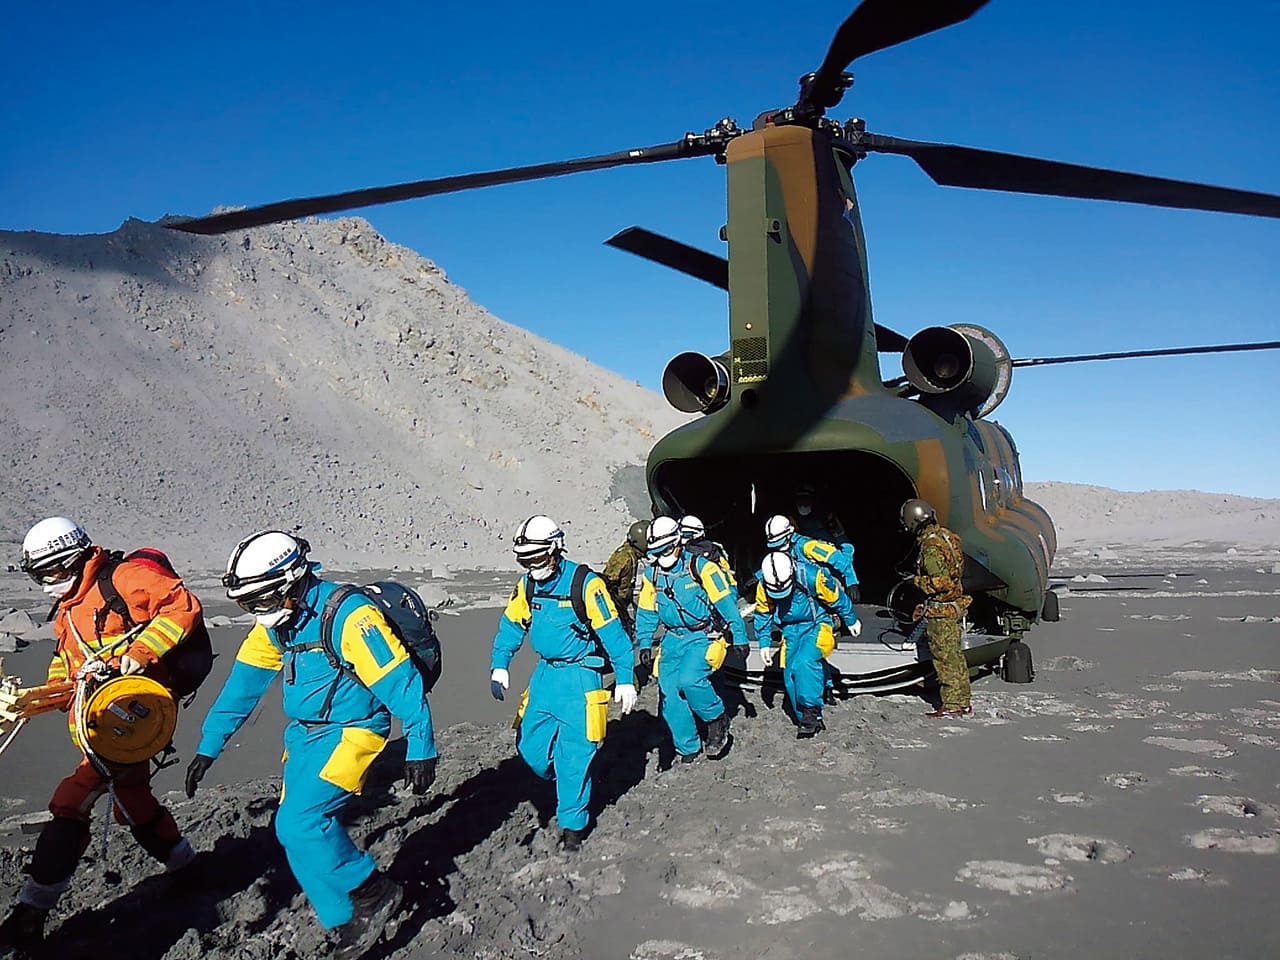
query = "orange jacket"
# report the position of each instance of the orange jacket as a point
(84, 627)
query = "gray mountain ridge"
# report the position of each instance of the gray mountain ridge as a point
(309, 375)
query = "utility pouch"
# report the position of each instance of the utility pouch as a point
(716, 651)
(826, 639)
(352, 757)
(653, 669)
(597, 714)
(782, 655)
(524, 702)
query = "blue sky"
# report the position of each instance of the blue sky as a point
(114, 111)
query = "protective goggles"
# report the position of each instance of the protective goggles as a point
(268, 602)
(537, 561)
(670, 550)
(55, 573)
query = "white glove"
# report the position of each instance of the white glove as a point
(625, 694)
(129, 665)
(766, 654)
(499, 680)
(855, 628)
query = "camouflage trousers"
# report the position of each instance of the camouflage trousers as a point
(948, 661)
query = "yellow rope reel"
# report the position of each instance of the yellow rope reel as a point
(129, 719)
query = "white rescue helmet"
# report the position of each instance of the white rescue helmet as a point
(778, 531)
(54, 550)
(664, 541)
(538, 541)
(691, 528)
(265, 570)
(778, 574)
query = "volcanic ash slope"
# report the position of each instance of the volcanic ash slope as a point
(185, 390)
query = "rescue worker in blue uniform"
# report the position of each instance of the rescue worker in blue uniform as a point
(691, 597)
(339, 703)
(780, 534)
(798, 601)
(566, 612)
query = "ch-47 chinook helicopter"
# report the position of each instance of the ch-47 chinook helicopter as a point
(799, 396)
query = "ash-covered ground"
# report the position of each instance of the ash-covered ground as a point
(1125, 804)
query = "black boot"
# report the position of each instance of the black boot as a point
(571, 840)
(810, 723)
(717, 734)
(375, 902)
(22, 931)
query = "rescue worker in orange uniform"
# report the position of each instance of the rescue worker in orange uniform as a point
(92, 637)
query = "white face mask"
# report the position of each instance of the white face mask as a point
(804, 509)
(60, 589)
(545, 572)
(275, 618)
(668, 560)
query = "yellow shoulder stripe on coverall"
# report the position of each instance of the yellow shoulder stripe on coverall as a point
(648, 594)
(518, 606)
(257, 650)
(600, 608)
(369, 645)
(826, 590)
(713, 581)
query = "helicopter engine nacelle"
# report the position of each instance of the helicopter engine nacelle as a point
(966, 363)
(695, 383)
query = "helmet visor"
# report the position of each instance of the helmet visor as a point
(55, 572)
(268, 602)
(537, 561)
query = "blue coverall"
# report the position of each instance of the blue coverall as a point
(804, 617)
(326, 756)
(839, 559)
(566, 694)
(689, 606)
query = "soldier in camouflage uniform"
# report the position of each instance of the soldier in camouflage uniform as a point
(938, 570)
(620, 572)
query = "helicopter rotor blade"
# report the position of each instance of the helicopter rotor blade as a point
(672, 253)
(352, 199)
(710, 269)
(874, 25)
(1130, 354)
(956, 166)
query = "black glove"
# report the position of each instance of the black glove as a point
(420, 774)
(854, 594)
(495, 689)
(646, 657)
(196, 770)
(742, 650)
